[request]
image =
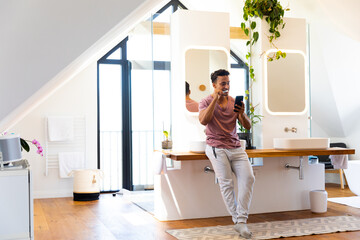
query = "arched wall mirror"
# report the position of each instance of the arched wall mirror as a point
(199, 64)
(286, 86)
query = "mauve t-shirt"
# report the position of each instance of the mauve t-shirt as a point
(221, 130)
(192, 106)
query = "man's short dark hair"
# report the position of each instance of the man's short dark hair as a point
(187, 88)
(220, 72)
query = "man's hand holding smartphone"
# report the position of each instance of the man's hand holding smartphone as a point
(238, 103)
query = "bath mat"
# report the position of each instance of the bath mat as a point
(142, 199)
(276, 229)
(349, 201)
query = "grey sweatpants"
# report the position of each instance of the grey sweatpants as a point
(228, 161)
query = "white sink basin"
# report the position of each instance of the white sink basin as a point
(197, 146)
(301, 143)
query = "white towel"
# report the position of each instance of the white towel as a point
(60, 128)
(69, 161)
(159, 160)
(339, 161)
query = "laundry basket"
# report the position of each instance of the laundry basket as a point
(86, 184)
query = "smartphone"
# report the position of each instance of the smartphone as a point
(238, 101)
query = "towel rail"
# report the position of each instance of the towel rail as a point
(78, 144)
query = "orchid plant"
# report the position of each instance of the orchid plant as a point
(25, 146)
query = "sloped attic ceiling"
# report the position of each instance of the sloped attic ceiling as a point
(40, 38)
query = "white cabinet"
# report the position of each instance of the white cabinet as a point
(16, 202)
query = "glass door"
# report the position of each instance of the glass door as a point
(114, 123)
(110, 117)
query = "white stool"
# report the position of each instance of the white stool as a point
(318, 201)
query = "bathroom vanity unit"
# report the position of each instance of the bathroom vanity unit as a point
(188, 192)
(16, 202)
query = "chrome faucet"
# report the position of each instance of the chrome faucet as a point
(300, 167)
(208, 169)
(293, 129)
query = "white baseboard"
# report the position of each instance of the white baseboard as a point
(52, 194)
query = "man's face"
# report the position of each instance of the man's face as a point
(222, 83)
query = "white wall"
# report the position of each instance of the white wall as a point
(272, 126)
(77, 97)
(334, 61)
(233, 7)
(187, 32)
(39, 38)
(42, 48)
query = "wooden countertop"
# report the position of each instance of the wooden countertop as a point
(257, 153)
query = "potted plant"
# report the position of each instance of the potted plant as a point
(273, 13)
(244, 133)
(166, 144)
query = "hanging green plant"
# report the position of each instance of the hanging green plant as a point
(273, 13)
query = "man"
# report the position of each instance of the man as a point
(191, 105)
(219, 114)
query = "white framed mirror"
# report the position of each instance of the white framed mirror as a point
(286, 87)
(199, 64)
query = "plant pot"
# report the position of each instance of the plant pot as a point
(247, 137)
(167, 144)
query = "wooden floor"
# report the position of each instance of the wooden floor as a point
(116, 218)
